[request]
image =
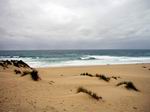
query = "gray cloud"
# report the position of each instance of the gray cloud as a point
(74, 24)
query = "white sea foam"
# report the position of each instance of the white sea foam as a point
(82, 61)
(101, 60)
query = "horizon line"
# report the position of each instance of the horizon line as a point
(64, 49)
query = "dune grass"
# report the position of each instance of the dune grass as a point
(128, 85)
(100, 76)
(26, 72)
(114, 77)
(144, 67)
(17, 71)
(90, 93)
(103, 77)
(34, 74)
(86, 74)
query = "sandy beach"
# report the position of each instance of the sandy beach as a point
(57, 89)
(74, 55)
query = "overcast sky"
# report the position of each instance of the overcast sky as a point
(74, 24)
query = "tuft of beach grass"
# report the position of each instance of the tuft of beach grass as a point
(90, 93)
(128, 85)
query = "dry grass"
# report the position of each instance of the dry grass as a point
(103, 77)
(90, 93)
(17, 71)
(86, 74)
(34, 74)
(128, 84)
(26, 72)
(144, 67)
(100, 76)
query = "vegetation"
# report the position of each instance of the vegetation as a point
(114, 77)
(103, 77)
(86, 74)
(128, 84)
(17, 71)
(144, 66)
(90, 93)
(16, 63)
(26, 73)
(20, 63)
(33, 73)
(100, 76)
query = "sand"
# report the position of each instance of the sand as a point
(57, 91)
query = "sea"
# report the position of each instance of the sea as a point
(59, 58)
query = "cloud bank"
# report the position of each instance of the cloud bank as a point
(74, 24)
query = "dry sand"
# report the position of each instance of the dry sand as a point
(56, 92)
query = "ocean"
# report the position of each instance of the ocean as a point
(58, 58)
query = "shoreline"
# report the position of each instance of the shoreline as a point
(80, 66)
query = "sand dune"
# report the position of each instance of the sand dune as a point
(57, 91)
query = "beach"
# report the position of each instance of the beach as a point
(57, 89)
(74, 55)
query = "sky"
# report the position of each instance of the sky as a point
(74, 24)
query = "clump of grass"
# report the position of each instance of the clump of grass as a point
(128, 84)
(34, 75)
(105, 78)
(97, 75)
(17, 71)
(81, 89)
(86, 74)
(19, 63)
(26, 73)
(90, 93)
(83, 74)
(100, 76)
(114, 77)
(144, 66)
